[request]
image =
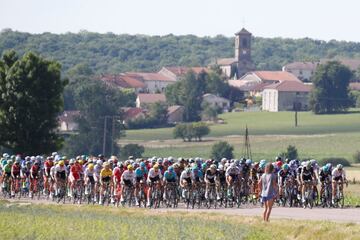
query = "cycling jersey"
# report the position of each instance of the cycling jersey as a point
(188, 177)
(128, 177)
(154, 175)
(25, 172)
(117, 172)
(283, 175)
(232, 171)
(34, 171)
(97, 170)
(15, 170)
(307, 174)
(105, 175)
(338, 175)
(89, 173)
(197, 175)
(324, 175)
(211, 176)
(60, 172)
(170, 176)
(47, 166)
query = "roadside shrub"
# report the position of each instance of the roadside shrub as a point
(131, 149)
(222, 150)
(357, 157)
(335, 161)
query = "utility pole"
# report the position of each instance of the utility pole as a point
(104, 137)
(247, 147)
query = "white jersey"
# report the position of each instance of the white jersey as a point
(336, 173)
(185, 175)
(153, 174)
(89, 173)
(128, 175)
(52, 171)
(232, 171)
(97, 170)
(60, 169)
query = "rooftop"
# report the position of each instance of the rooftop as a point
(289, 86)
(276, 76)
(151, 97)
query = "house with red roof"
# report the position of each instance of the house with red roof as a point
(123, 81)
(154, 82)
(286, 96)
(177, 72)
(143, 100)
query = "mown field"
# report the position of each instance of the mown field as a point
(317, 136)
(266, 123)
(22, 221)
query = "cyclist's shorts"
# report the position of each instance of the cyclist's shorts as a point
(106, 179)
(337, 178)
(127, 182)
(171, 180)
(138, 179)
(91, 179)
(155, 179)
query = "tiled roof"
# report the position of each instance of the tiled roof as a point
(276, 76)
(225, 61)
(302, 66)
(174, 108)
(290, 86)
(123, 81)
(353, 64)
(242, 31)
(68, 116)
(132, 112)
(149, 76)
(151, 97)
(180, 71)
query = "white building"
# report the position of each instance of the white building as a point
(154, 82)
(302, 70)
(286, 96)
(144, 99)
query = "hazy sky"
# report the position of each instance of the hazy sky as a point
(319, 19)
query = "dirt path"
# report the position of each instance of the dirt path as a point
(334, 215)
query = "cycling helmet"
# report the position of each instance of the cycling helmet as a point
(156, 166)
(191, 160)
(203, 166)
(130, 167)
(287, 160)
(278, 158)
(32, 158)
(262, 165)
(221, 167)
(188, 170)
(61, 163)
(13, 157)
(57, 158)
(159, 160)
(232, 165)
(213, 166)
(142, 165)
(340, 166)
(18, 159)
(308, 165)
(263, 161)
(120, 164)
(171, 160)
(54, 154)
(5, 155)
(329, 165)
(279, 164)
(256, 165)
(242, 161)
(91, 166)
(248, 162)
(81, 162)
(171, 169)
(313, 162)
(72, 161)
(194, 166)
(325, 168)
(27, 158)
(106, 164)
(176, 165)
(111, 161)
(99, 162)
(285, 166)
(101, 156)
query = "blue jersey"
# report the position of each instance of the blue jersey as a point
(170, 175)
(139, 173)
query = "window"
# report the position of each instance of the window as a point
(244, 43)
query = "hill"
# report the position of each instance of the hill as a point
(118, 53)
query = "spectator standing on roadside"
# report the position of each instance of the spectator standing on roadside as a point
(268, 190)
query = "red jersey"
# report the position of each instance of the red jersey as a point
(75, 171)
(47, 166)
(34, 170)
(15, 169)
(117, 174)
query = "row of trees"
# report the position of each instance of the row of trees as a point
(120, 53)
(189, 131)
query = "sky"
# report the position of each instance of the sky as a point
(317, 19)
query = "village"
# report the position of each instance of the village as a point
(287, 89)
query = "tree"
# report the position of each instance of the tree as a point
(134, 150)
(222, 150)
(159, 113)
(291, 152)
(217, 85)
(330, 93)
(180, 131)
(97, 103)
(209, 112)
(200, 130)
(31, 91)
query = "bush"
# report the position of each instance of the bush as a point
(291, 152)
(134, 150)
(222, 150)
(188, 131)
(357, 157)
(335, 161)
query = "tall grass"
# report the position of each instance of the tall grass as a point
(73, 222)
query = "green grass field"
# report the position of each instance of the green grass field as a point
(266, 123)
(18, 221)
(317, 136)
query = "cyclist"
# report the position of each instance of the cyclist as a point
(127, 179)
(232, 174)
(307, 174)
(324, 175)
(60, 175)
(97, 170)
(34, 175)
(140, 175)
(170, 177)
(25, 174)
(15, 175)
(154, 177)
(48, 164)
(211, 177)
(105, 180)
(186, 179)
(338, 177)
(7, 166)
(89, 177)
(283, 175)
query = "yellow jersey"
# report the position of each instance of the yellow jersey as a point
(105, 173)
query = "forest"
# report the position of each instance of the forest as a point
(112, 53)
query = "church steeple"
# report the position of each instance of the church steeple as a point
(243, 52)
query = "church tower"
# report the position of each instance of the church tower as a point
(243, 52)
